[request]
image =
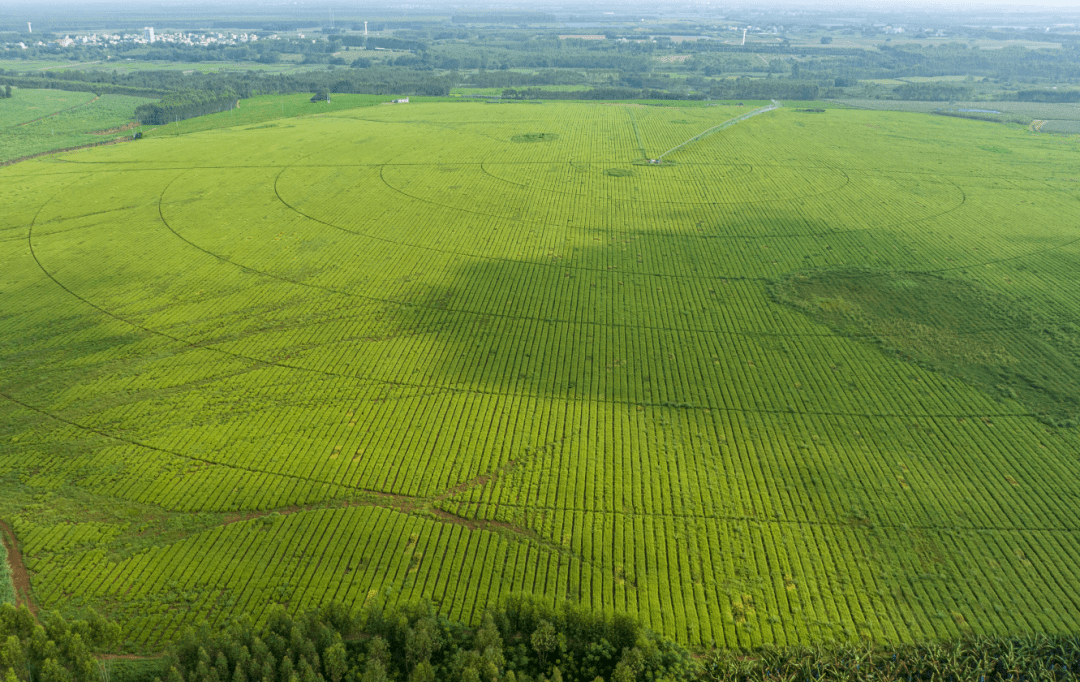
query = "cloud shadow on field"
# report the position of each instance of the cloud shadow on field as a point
(630, 316)
(681, 342)
(1004, 347)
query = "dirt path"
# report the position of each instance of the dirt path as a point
(19, 576)
(120, 129)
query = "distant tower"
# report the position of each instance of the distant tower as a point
(365, 28)
(331, 18)
(149, 31)
(30, 28)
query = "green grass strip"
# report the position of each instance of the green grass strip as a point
(7, 588)
(264, 109)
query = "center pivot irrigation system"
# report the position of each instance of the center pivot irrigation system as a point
(775, 105)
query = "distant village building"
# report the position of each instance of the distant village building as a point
(318, 98)
(400, 101)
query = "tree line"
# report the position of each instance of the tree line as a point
(183, 105)
(521, 640)
(53, 649)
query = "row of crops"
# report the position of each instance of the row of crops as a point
(362, 552)
(747, 582)
(470, 360)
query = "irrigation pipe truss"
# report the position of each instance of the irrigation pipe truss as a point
(725, 124)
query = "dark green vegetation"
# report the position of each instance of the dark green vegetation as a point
(54, 649)
(535, 137)
(519, 641)
(185, 105)
(1008, 347)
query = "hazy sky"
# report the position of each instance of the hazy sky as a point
(346, 6)
(1070, 9)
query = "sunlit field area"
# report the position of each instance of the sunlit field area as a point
(813, 378)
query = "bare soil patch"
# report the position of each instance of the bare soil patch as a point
(113, 131)
(19, 575)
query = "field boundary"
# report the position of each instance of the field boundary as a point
(20, 578)
(61, 151)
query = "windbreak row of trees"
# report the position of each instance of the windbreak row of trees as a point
(378, 80)
(932, 92)
(52, 81)
(747, 88)
(729, 89)
(523, 640)
(184, 105)
(1062, 95)
(592, 94)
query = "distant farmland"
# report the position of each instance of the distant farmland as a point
(815, 379)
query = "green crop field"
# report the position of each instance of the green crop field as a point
(35, 121)
(813, 378)
(266, 108)
(1060, 126)
(32, 105)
